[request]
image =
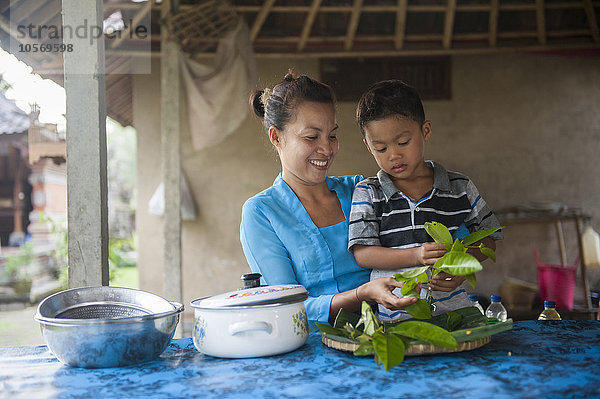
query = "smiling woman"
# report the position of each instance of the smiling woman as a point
(296, 231)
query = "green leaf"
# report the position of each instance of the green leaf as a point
(346, 317)
(457, 246)
(439, 233)
(471, 334)
(411, 273)
(419, 309)
(365, 348)
(389, 348)
(412, 293)
(422, 278)
(478, 235)
(453, 321)
(327, 329)
(471, 279)
(459, 264)
(489, 252)
(407, 287)
(424, 331)
(368, 319)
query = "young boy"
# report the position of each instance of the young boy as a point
(389, 211)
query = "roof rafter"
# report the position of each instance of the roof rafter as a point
(260, 19)
(145, 9)
(449, 23)
(540, 21)
(591, 16)
(353, 25)
(400, 24)
(493, 23)
(308, 23)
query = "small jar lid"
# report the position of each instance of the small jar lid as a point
(549, 304)
(255, 296)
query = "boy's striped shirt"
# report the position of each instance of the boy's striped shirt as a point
(382, 215)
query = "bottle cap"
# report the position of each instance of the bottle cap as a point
(496, 298)
(549, 304)
(473, 297)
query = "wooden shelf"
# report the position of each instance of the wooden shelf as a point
(556, 216)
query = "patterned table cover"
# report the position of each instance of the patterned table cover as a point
(557, 359)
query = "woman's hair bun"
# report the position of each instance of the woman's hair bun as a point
(289, 77)
(257, 104)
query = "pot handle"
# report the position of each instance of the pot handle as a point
(244, 326)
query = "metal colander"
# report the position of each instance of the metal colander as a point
(107, 326)
(101, 304)
(102, 311)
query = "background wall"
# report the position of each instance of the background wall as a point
(524, 127)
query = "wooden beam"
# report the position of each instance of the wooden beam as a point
(353, 25)
(87, 203)
(591, 17)
(308, 23)
(145, 9)
(27, 9)
(17, 38)
(171, 159)
(493, 23)
(260, 19)
(449, 23)
(400, 24)
(366, 8)
(541, 21)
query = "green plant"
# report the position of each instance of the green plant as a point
(61, 248)
(119, 251)
(389, 342)
(456, 262)
(387, 346)
(15, 268)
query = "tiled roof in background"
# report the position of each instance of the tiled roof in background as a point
(12, 118)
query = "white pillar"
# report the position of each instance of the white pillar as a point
(171, 160)
(86, 143)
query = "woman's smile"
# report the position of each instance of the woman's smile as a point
(320, 164)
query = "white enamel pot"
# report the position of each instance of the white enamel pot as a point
(251, 322)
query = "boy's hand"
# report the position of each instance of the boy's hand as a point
(445, 282)
(429, 253)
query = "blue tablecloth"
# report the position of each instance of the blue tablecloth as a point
(534, 360)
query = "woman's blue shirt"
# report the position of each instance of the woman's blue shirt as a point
(282, 243)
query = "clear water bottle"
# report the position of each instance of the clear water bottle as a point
(549, 312)
(496, 310)
(475, 302)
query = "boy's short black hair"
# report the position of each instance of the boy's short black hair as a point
(386, 98)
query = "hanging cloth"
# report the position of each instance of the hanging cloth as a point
(217, 95)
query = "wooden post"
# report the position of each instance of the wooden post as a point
(586, 286)
(87, 209)
(171, 159)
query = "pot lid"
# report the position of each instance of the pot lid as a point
(255, 296)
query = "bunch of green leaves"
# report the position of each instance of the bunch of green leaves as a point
(387, 345)
(388, 342)
(456, 262)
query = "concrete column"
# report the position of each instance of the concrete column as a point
(171, 159)
(86, 143)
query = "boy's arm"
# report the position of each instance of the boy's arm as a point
(377, 257)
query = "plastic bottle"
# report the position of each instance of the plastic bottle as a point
(496, 310)
(549, 312)
(475, 302)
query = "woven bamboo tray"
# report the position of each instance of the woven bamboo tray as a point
(413, 350)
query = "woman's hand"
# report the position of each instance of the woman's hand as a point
(445, 282)
(429, 253)
(380, 291)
